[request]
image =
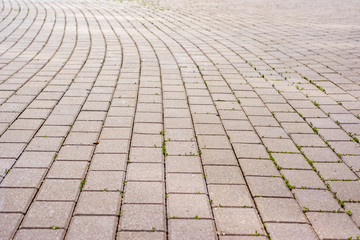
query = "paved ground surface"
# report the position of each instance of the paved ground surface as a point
(195, 119)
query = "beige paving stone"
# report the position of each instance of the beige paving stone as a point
(346, 190)
(9, 223)
(112, 146)
(141, 235)
(230, 195)
(237, 221)
(283, 231)
(67, 169)
(35, 159)
(320, 154)
(331, 171)
(53, 131)
(288, 160)
(98, 203)
(191, 229)
(47, 214)
(17, 136)
(144, 192)
(213, 142)
(24, 177)
(316, 200)
(15, 199)
(104, 180)
(253, 167)
(11, 150)
(59, 190)
(185, 183)
(41, 234)
(146, 155)
(188, 206)
(107, 162)
(181, 148)
(333, 225)
(145, 172)
(223, 175)
(182, 164)
(92, 227)
(79, 153)
(268, 187)
(250, 151)
(280, 210)
(303, 179)
(142, 217)
(221, 157)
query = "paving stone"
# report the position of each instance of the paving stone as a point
(15, 199)
(185, 183)
(81, 138)
(183, 229)
(41, 234)
(141, 235)
(333, 225)
(230, 195)
(142, 217)
(67, 169)
(146, 155)
(59, 190)
(213, 142)
(144, 192)
(303, 178)
(320, 154)
(237, 221)
(188, 206)
(35, 159)
(280, 210)
(287, 160)
(223, 175)
(11, 150)
(308, 140)
(253, 167)
(250, 151)
(346, 190)
(316, 200)
(268, 187)
(335, 171)
(283, 231)
(91, 227)
(145, 172)
(53, 131)
(107, 162)
(47, 214)
(24, 177)
(17, 136)
(79, 153)
(181, 148)
(182, 164)
(104, 180)
(112, 146)
(9, 223)
(98, 203)
(214, 156)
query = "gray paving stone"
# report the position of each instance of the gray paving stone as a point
(142, 217)
(9, 223)
(191, 229)
(333, 225)
(280, 210)
(283, 231)
(92, 227)
(47, 214)
(41, 234)
(15, 199)
(237, 221)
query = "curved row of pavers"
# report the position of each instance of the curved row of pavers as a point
(187, 71)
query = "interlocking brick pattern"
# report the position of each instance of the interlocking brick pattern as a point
(179, 119)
